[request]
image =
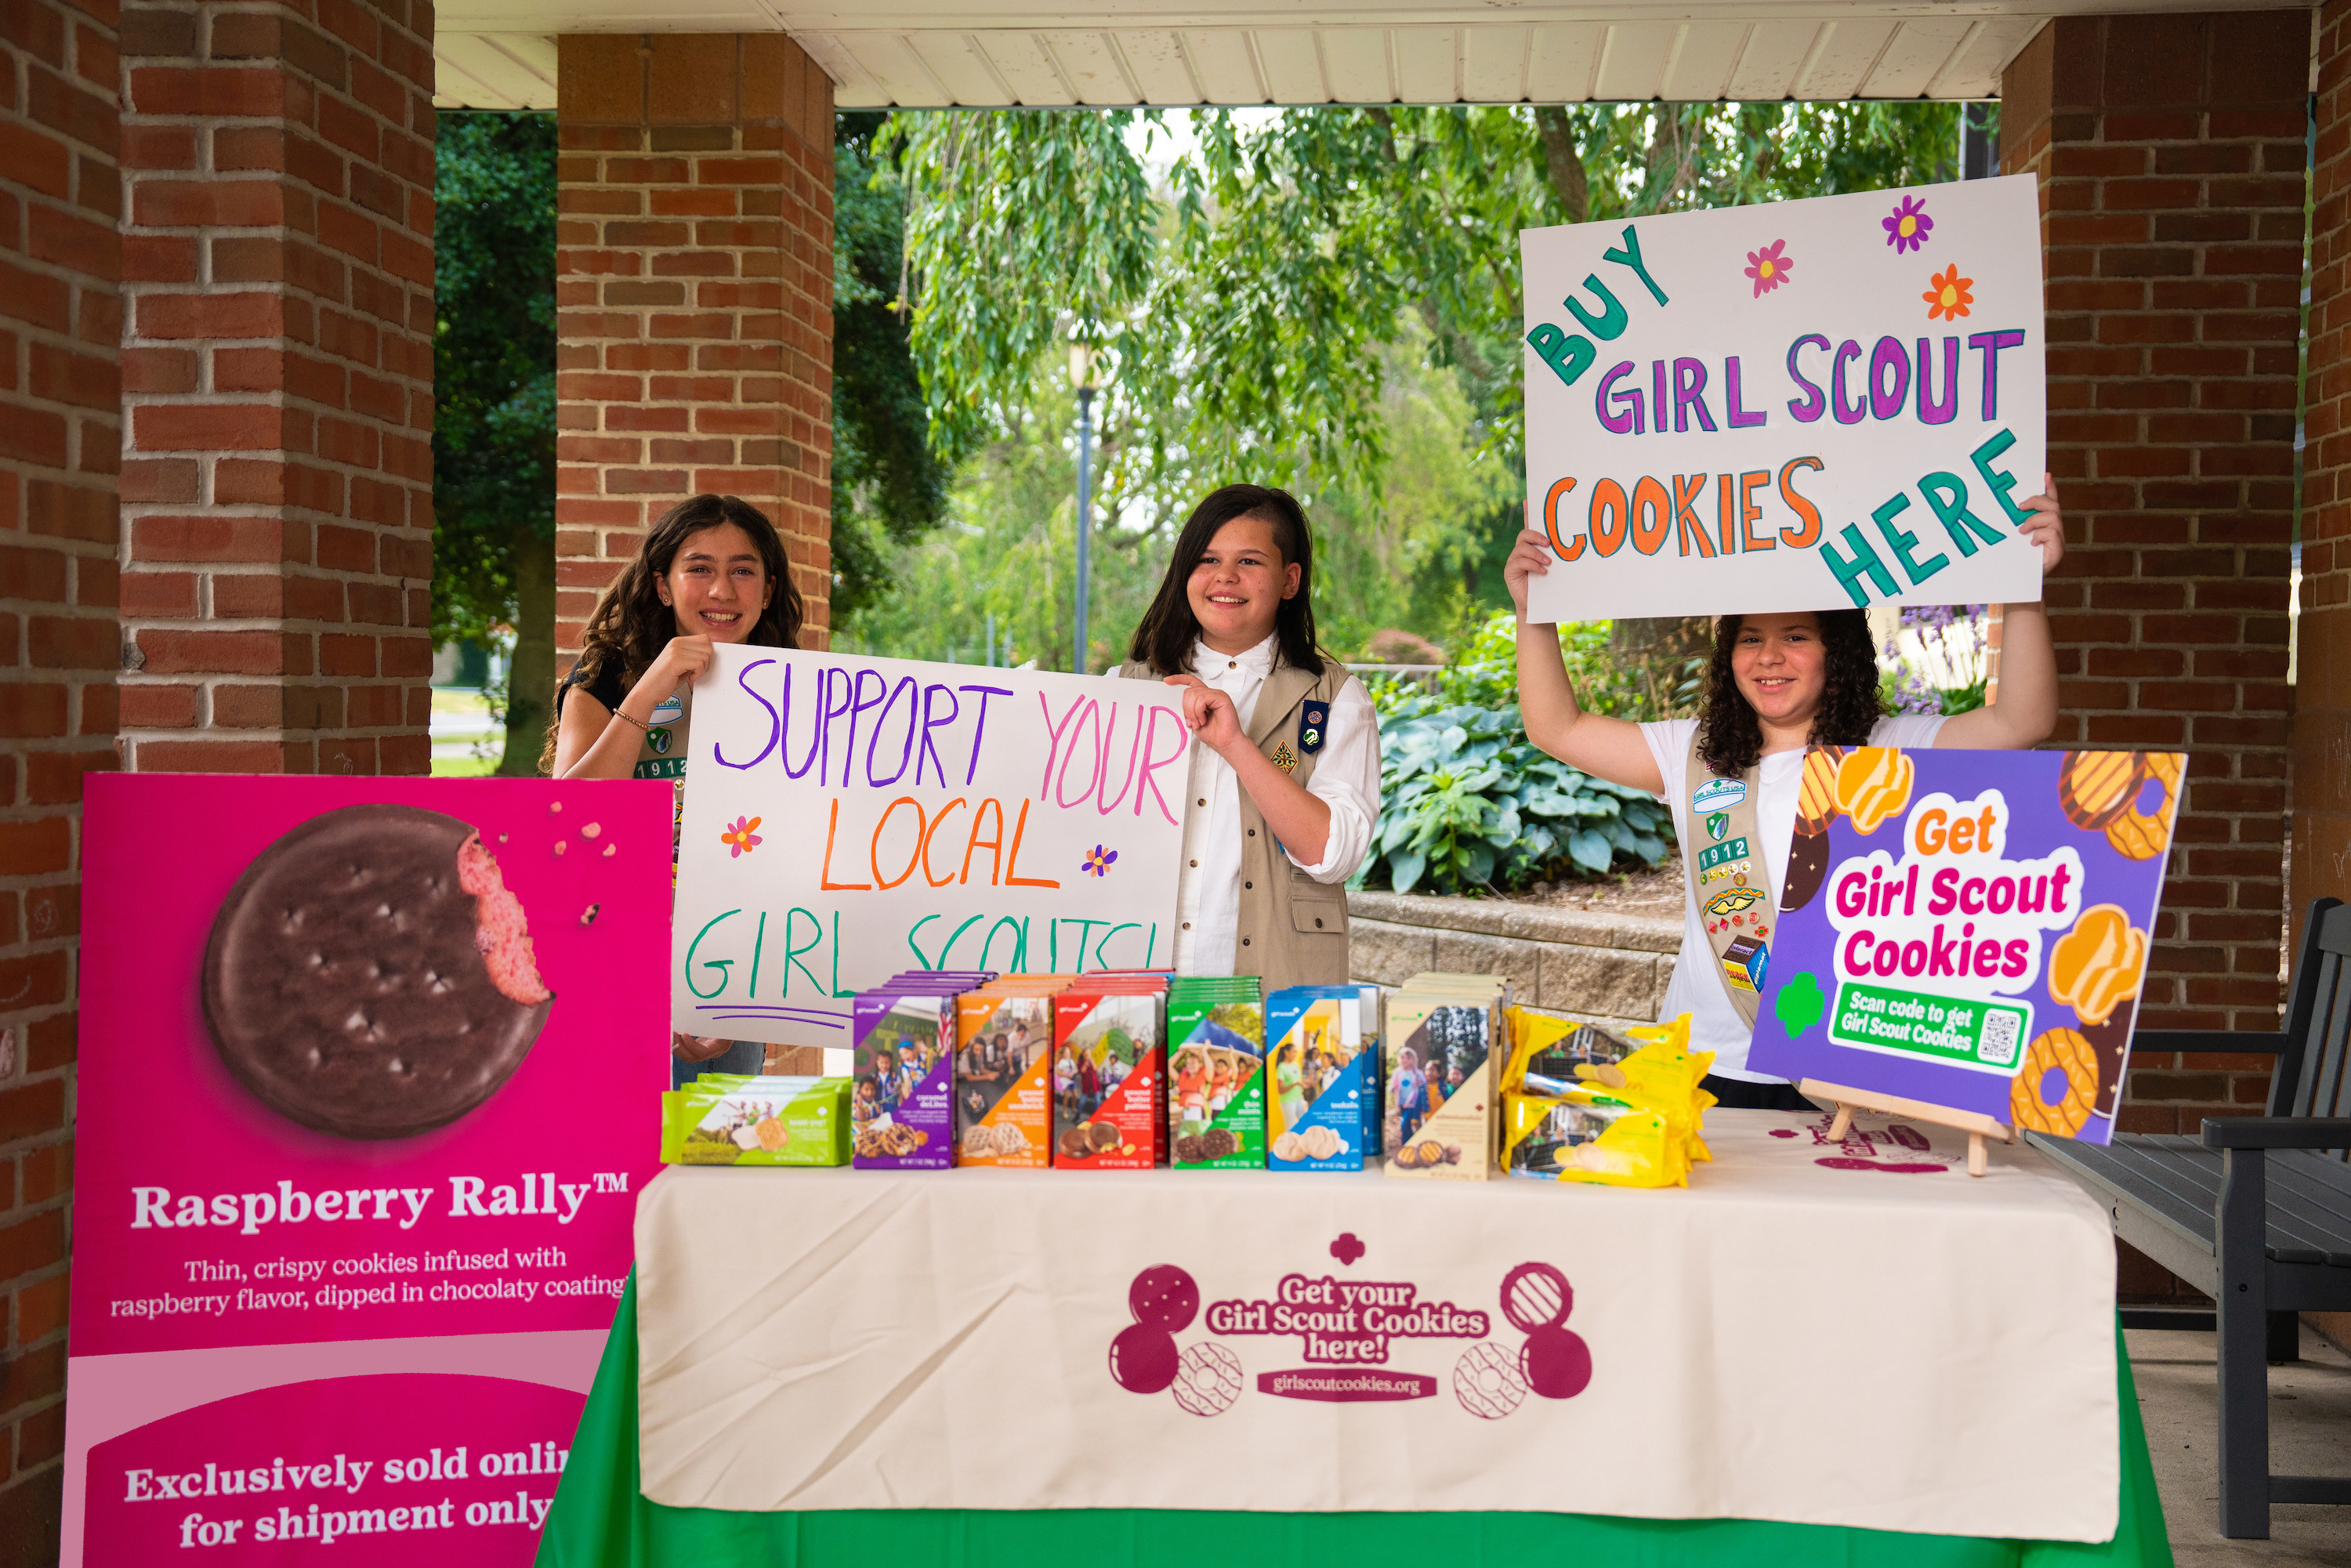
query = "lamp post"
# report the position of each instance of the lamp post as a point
(1081, 374)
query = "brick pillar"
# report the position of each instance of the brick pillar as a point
(277, 366)
(695, 285)
(2169, 152)
(2321, 717)
(60, 321)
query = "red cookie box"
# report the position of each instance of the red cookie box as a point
(1109, 1074)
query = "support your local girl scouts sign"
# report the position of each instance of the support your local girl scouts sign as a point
(847, 819)
(1966, 929)
(1803, 406)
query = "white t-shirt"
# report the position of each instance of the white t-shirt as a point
(1697, 987)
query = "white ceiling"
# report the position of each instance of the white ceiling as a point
(933, 54)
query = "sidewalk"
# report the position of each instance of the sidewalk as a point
(2310, 1435)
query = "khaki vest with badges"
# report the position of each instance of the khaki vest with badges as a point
(1292, 930)
(661, 749)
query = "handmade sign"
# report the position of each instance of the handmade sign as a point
(366, 1077)
(1967, 929)
(1802, 405)
(848, 818)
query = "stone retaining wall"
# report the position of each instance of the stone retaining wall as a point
(1598, 969)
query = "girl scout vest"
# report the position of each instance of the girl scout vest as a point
(1722, 855)
(1292, 930)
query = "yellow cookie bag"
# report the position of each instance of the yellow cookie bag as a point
(1646, 1065)
(1586, 1137)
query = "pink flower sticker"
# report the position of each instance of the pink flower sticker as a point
(1769, 266)
(743, 835)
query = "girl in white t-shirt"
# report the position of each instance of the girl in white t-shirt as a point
(1776, 684)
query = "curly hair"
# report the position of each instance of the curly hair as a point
(631, 625)
(1731, 739)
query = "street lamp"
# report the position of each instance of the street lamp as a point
(1081, 376)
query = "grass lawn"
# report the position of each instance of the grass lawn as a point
(463, 766)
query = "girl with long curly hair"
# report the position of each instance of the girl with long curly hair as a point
(711, 570)
(1775, 685)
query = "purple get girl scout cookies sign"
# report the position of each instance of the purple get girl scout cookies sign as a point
(366, 1075)
(1967, 929)
(847, 819)
(1802, 405)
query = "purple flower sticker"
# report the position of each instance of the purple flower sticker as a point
(1769, 266)
(1908, 228)
(1099, 863)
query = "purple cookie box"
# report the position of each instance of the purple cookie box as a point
(931, 1108)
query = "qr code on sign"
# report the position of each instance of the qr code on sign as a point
(1998, 1046)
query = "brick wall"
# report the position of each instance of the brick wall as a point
(2169, 152)
(694, 281)
(2171, 156)
(60, 262)
(278, 370)
(2321, 718)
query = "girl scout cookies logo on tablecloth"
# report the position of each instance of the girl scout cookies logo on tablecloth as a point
(1347, 1329)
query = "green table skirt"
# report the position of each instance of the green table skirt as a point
(600, 1519)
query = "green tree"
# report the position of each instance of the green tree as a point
(888, 488)
(494, 419)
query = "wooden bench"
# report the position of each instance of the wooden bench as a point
(2256, 1213)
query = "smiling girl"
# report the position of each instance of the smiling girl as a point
(1285, 783)
(711, 570)
(1775, 685)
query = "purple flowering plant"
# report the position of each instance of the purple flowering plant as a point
(1935, 661)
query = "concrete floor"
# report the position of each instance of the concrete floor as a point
(2310, 1435)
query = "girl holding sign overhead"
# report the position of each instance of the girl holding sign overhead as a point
(711, 570)
(1776, 684)
(1285, 782)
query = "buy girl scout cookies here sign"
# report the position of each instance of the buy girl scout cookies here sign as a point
(1968, 928)
(1805, 405)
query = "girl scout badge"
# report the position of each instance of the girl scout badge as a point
(1727, 870)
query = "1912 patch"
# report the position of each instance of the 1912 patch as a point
(1313, 727)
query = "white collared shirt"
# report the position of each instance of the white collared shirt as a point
(1346, 778)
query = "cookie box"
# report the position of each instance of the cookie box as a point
(1003, 1054)
(1215, 1074)
(1446, 1052)
(759, 1121)
(1105, 1076)
(1318, 1079)
(902, 1110)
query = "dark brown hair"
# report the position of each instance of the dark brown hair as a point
(631, 625)
(1168, 629)
(1730, 737)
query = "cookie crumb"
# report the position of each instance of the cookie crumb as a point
(608, 849)
(555, 805)
(590, 918)
(558, 846)
(591, 830)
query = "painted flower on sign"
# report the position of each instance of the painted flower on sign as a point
(743, 835)
(1098, 863)
(1908, 227)
(1946, 295)
(1769, 266)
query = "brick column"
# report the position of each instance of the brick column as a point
(2169, 152)
(278, 367)
(2321, 718)
(694, 283)
(61, 319)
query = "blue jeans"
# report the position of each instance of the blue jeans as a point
(744, 1056)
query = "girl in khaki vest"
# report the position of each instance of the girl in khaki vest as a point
(1284, 788)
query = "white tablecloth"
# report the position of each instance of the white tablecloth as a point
(1878, 1340)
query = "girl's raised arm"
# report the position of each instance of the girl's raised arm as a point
(2027, 709)
(1605, 748)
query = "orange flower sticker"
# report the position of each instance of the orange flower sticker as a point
(1948, 297)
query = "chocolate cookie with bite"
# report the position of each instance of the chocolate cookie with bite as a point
(371, 976)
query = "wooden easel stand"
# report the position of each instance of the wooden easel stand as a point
(1978, 1127)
